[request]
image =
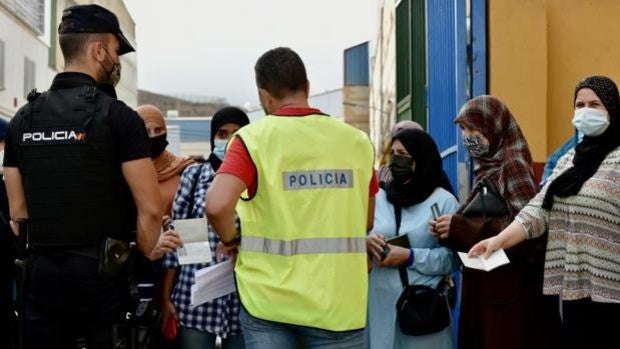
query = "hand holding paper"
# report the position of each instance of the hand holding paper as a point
(195, 237)
(498, 258)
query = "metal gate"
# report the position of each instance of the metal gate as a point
(446, 76)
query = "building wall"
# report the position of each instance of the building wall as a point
(539, 50)
(383, 77)
(127, 89)
(518, 66)
(20, 42)
(356, 113)
(356, 91)
(584, 39)
(329, 102)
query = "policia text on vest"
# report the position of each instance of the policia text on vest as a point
(297, 180)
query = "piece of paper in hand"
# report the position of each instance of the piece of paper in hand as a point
(195, 236)
(498, 258)
(213, 282)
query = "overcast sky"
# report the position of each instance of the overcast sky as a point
(209, 47)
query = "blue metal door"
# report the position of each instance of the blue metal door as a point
(446, 76)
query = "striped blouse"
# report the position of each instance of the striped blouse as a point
(583, 253)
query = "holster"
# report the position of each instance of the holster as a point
(114, 257)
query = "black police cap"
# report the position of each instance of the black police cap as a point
(93, 19)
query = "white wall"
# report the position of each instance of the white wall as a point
(19, 42)
(383, 77)
(127, 88)
(329, 102)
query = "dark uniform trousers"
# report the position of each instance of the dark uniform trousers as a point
(69, 299)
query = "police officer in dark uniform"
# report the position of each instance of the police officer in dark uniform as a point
(78, 166)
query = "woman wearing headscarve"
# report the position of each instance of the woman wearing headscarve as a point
(167, 165)
(416, 185)
(580, 207)
(499, 306)
(384, 175)
(201, 325)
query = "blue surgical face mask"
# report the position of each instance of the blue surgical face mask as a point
(219, 147)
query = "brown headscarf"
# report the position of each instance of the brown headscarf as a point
(508, 162)
(166, 164)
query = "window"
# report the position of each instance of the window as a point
(2, 65)
(29, 76)
(32, 12)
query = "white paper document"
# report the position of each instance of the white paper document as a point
(195, 237)
(213, 282)
(498, 258)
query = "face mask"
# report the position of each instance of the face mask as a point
(475, 145)
(158, 145)
(592, 122)
(114, 75)
(401, 168)
(219, 147)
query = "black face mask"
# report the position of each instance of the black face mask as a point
(158, 145)
(401, 168)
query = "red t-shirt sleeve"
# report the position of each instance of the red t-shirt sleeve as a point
(374, 184)
(238, 163)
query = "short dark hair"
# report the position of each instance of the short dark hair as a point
(280, 71)
(72, 45)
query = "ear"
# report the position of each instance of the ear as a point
(97, 50)
(265, 98)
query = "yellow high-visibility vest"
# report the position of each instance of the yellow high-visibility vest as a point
(302, 258)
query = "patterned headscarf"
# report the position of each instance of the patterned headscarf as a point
(166, 164)
(592, 150)
(508, 162)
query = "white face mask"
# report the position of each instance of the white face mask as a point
(219, 147)
(591, 122)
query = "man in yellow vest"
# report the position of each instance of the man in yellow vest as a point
(307, 187)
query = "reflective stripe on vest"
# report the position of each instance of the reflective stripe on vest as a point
(303, 246)
(302, 258)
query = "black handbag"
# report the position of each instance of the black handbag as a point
(420, 309)
(487, 202)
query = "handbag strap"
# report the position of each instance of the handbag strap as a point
(402, 270)
(190, 202)
(482, 190)
(483, 195)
